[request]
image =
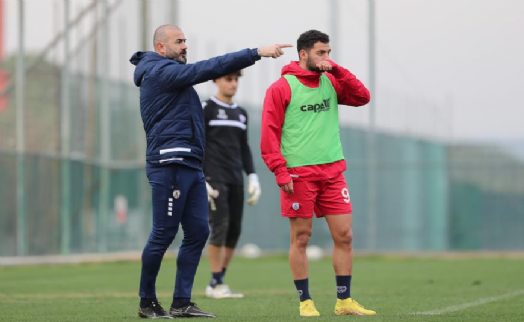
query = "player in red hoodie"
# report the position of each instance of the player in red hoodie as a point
(301, 146)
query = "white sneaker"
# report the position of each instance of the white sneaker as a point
(222, 291)
(209, 291)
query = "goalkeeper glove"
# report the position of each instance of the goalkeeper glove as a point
(253, 189)
(211, 194)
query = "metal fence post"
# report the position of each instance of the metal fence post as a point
(20, 136)
(65, 216)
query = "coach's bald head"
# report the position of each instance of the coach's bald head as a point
(169, 41)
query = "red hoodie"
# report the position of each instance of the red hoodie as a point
(350, 91)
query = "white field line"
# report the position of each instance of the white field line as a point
(460, 307)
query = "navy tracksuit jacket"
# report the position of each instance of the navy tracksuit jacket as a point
(174, 124)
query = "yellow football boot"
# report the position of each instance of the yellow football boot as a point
(351, 307)
(307, 308)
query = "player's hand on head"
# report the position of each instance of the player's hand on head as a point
(253, 190)
(288, 187)
(273, 51)
(325, 65)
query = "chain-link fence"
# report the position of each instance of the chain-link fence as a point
(72, 176)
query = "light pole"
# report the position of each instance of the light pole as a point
(105, 133)
(20, 135)
(372, 168)
(333, 18)
(65, 175)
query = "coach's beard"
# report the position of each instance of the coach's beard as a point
(181, 59)
(178, 57)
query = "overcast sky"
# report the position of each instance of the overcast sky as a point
(451, 69)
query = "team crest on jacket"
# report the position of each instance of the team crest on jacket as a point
(296, 205)
(176, 194)
(222, 114)
(242, 118)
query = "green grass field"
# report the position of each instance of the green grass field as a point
(394, 287)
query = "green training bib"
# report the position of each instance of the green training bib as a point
(310, 134)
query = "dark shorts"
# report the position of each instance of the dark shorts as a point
(226, 221)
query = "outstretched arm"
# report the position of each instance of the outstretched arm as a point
(175, 75)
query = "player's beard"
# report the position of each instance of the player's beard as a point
(312, 66)
(176, 56)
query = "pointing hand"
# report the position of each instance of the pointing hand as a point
(274, 51)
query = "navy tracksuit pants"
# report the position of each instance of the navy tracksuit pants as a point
(179, 197)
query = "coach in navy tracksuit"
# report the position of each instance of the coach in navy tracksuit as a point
(174, 126)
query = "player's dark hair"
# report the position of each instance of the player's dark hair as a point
(237, 73)
(309, 38)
